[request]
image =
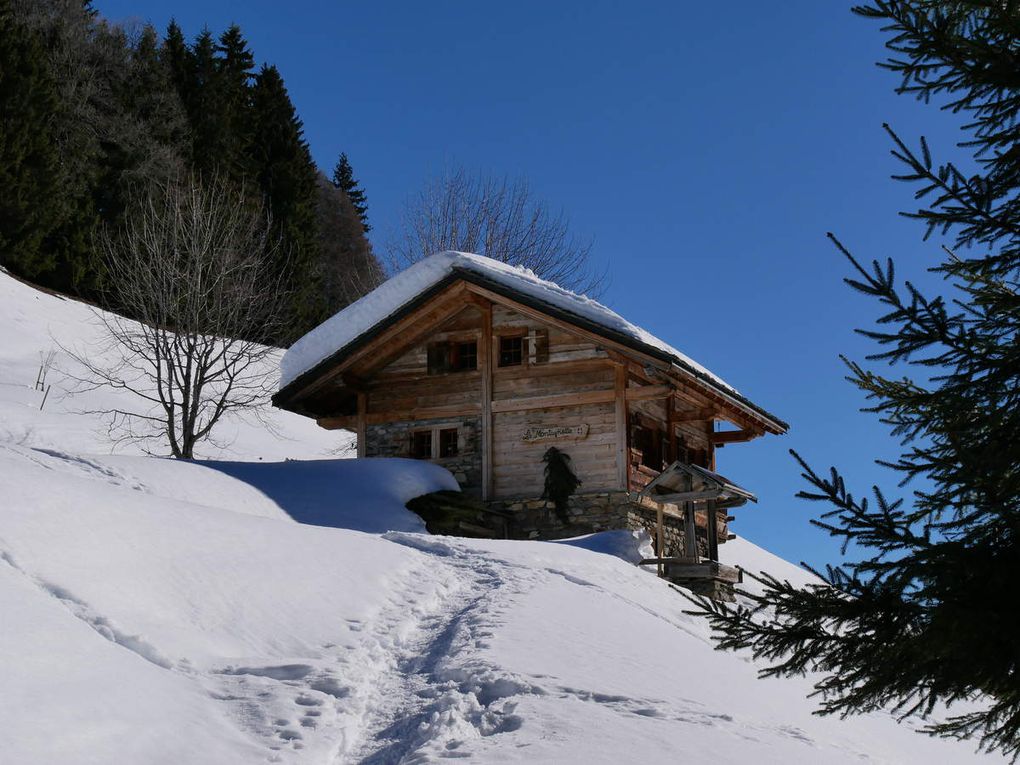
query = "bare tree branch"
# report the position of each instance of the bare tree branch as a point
(194, 268)
(497, 217)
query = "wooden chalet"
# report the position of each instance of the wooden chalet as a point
(481, 367)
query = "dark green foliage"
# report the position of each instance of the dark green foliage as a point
(29, 174)
(560, 481)
(235, 67)
(924, 613)
(286, 176)
(209, 138)
(343, 179)
(346, 267)
(98, 115)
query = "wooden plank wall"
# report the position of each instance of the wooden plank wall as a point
(580, 376)
(405, 385)
(518, 470)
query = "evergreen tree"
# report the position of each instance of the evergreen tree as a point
(205, 111)
(923, 615)
(343, 179)
(79, 70)
(29, 178)
(176, 56)
(286, 176)
(235, 66)
(346, 267)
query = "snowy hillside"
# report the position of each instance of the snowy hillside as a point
(167, 612)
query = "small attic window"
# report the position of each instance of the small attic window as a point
(452, 357)
(465, 356)
(511, 351)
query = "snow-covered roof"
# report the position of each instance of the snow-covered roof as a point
(388, 299)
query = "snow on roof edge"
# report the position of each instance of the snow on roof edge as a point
(346, 326)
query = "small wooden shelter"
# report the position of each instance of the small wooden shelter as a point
(684, 492)
(481, 367)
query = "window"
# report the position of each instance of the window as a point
(434, 443)
(448, 442)
(511, 351)
(421, 444)
(452, 357)
(649, 442)
(465, 356)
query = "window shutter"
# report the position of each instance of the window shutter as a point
(438, 358)
(541, 340)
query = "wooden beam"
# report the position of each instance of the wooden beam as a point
(338, 423)
(646, 392)
(696, 415)
(713, 533)
(660, 536)
(354, 382)
(620, 398)
(690, 531)
(552, 368)
(362, 429)
(684, 496)
(423, 413)
(550, 402)
(485, 366)
(733, 436)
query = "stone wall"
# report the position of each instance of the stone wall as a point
(588, 513)
(393, 439)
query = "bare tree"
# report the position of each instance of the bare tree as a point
(497, 217)
(195, 268)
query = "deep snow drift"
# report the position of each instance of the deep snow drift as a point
(158, 611)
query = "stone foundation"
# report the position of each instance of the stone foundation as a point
(590, 512)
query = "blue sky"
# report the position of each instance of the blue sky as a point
(706, 148)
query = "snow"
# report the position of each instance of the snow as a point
(365, 495)
(387, 299)
(36, 323)
(160, 611)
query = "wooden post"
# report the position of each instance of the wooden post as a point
(713, 533)
(485, 364)
(659, 547)
(362, 434)
(622, 451)
(690, 532)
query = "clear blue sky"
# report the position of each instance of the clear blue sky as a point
(706, 147)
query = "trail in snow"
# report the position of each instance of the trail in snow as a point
(421, 697)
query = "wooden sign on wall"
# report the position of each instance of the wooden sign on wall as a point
(564, 432)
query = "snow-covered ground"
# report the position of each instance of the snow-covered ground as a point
(157, 611)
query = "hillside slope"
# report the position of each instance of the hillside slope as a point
(158, 611)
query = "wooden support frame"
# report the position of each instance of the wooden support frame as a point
(649, 392)
(713, 532)
(695, 415)
(733, 436)
(362, 430)
(690, 532)
(485, 365)
(622, 435)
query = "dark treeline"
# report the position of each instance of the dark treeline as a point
(94, 113)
